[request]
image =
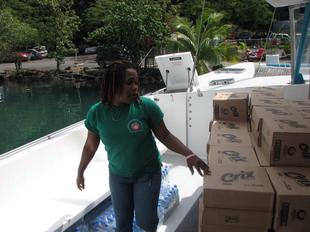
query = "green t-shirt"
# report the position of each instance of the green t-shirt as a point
(126, 133)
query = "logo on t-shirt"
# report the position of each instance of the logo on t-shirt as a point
(134, 126)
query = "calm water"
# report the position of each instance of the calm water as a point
(30, 112)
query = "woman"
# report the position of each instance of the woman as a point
(124, 122)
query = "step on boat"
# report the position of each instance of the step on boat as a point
(37, 180)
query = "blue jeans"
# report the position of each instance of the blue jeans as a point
(139, 195)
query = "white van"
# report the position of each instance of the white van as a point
(280, 36)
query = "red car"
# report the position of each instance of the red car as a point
(23, 56)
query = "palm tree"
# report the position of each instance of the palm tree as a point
(205, 40)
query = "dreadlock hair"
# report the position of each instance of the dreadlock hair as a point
(113, 80)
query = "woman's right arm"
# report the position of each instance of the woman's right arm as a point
(89, 150)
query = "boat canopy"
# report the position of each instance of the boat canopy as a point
(283, 3)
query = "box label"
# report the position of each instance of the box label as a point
(229, 178)
(284, 213)
(233, 111)
(277, 150)
(232, 219)
(234, 156)
(231, 138)
(299, 178)
(290, 123)
(302, 149)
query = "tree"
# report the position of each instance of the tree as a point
(14, 34)
(132, 26)
(81, 8)
(205, 40)
(98, 13)
(254, 15)
(60, 28)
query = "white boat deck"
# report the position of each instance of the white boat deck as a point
(48, 200)
(237, 72)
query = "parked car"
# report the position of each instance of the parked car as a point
(42, 50)
(15, 56)
(280, 36)
(34, 54)
(22, 56)
(91, 50)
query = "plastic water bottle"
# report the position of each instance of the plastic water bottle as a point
(97, 225)
(176, 192)
(160, 213)
(108, 218)
(164, 172)
(82, 227)
(77, 229)
(163, 193)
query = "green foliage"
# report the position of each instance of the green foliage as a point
(97, 13)
(133, 26)
(60, 28)
(14, 34)
(205, 40)
(254, 15)
(190, 9)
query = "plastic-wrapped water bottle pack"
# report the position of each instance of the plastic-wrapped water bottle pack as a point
(105, 221)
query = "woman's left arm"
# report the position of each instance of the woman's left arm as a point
(173, 143)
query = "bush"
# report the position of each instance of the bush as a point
(107, 54)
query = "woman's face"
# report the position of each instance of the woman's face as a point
(130, 90)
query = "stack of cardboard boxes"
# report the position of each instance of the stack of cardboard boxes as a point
(238, 195)
(248, 138)
(280, 134)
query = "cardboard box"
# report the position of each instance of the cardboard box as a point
(231, 220)
(238, 187)
(258, 100)
(261, 113)
(229, 138)
(286, 141)
(227, 125)
(236, 217)
(232, 155)
(230, 107)
(303, 103)
(304, 113)
(221, 228)
(292, 207)
(259, 153)
(266, 103)
(269, 95)
(269, 91)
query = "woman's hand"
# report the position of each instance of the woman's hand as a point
(89, 150)
(201, 167)
(80, 182)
